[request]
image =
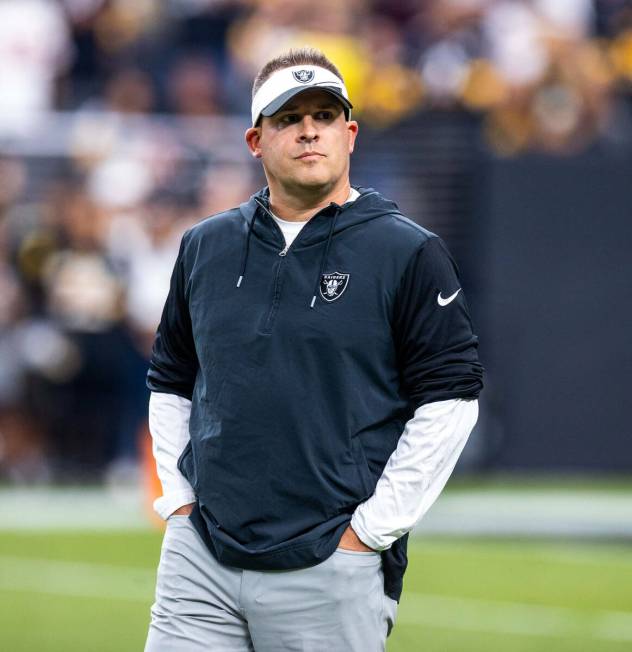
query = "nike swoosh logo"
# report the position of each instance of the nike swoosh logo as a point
(444, 302)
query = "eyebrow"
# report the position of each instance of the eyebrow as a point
(293, 107)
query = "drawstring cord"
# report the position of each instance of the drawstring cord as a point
(244, 256)
(323, 262)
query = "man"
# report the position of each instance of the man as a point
(314, 377)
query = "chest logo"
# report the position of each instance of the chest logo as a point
(303, 76)
(332, 286)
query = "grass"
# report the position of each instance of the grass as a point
(91, 592)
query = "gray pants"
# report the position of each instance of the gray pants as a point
(201, 605)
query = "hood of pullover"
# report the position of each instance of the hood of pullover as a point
(323, 225)
(368, 206)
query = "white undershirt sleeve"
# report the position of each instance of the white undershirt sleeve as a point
(416, 472)
(169, 426)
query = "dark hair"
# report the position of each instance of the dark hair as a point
(300, 57)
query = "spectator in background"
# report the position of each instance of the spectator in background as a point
(529, 67)
(275, 26)
(74, 355)
(84, 298)
(369, 48)
(32, 350)
(129, 90)
(119, 28)
(555, 80)
(224, 186)
(392, 89)
(150, 263)
(448, 39)
(22, 451)
(34, 50)
(203, 26)
(193, 87)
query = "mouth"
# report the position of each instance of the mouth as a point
(310, 155)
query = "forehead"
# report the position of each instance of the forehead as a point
(310, 99)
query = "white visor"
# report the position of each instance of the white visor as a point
(288, 82)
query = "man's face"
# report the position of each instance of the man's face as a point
(305, 146)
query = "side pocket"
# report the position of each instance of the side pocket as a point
(389, 608)
(363, 467)
(186, 466)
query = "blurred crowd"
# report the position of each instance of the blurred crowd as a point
(120, 125)
(543, 72)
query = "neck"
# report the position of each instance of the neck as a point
(295, 207)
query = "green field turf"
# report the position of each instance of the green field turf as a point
(89, 592)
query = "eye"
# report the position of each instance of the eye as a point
(325, 115)
(288, 119)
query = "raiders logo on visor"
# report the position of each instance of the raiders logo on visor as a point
(303, 76)
(332, 286)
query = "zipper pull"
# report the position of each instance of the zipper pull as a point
(283, 251)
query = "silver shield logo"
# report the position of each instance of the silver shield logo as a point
(303, 76)
(332, 286)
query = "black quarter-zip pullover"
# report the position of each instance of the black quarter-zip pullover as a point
(303, 365)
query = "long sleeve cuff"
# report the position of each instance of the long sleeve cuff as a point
(167, 504)
(169, 426)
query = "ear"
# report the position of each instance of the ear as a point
(253, 139)
(352, 131)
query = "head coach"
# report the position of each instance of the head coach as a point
(314, 380)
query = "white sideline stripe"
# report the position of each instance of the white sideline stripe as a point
(485, 511)
(112, 582)
(45, 508)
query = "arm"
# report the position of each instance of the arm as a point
(416, 472)
(171, 379)
(441, 376)
(169, 426)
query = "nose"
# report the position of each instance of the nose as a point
(308, 132)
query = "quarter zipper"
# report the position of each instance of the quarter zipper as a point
(285, 249)
(276, 297)
(278, 281)
(277, 228)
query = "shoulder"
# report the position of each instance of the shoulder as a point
(219, 223)
(386, 222)
(400, 227)
(399, 236)
(215, 228)
(210, 235)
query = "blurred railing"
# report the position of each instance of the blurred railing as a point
(59, 133)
